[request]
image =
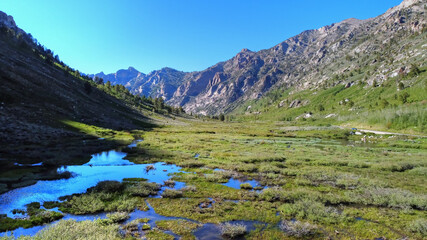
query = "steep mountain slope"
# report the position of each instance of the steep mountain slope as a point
(312, 59)
(376, 48)
(37, 93)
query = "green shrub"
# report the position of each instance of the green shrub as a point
(131, 226)
(388, 197)
(32, 208)
(217, 178)
(192, 164)
(143, 189)
(156, 234)
(422, 171)
(272, 194)
(419, 226)
(189, 188)
(146, 226)
(170, 193)
(340, 180)
(123, 203)
(72, 230)
(311, 210)
(247, 167)
(231, 231)
(298, 229)
(107, 187)
(246, 186)
(51, 204)
(117, 217)
(44, 216)
(268, 168)
(84, 204)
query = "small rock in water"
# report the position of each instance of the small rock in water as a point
(149, 167)
(169, 183)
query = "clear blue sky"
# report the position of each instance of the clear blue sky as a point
(188, 35)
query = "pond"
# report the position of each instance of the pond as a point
(109, 165)
(235, 183)
(211, 231)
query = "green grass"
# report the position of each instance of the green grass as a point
(37, 218)
(158, 235)
(181, 227)
(100, 132)
(71, 229)
(105, 197)
(319, 176)
(360, 105)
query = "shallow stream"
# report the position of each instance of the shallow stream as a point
(108, 165)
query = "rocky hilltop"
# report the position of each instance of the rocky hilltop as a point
(312, 59)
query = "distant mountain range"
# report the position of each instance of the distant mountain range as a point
(311, 59)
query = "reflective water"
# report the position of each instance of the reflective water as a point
(235, 183)
(29, 165)
(108, 165)
(33, 230)
(151, 214)
(134, 143)
(210, 231)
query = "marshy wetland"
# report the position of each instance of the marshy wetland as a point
(223, 180)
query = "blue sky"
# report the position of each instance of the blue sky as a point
(187, 35)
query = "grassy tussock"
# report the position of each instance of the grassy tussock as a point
(72, 230)
(231, 231)
(298, 229)
(181, 227)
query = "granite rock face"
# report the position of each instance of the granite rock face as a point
(308, 60)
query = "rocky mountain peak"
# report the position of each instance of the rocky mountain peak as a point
(308, 60)
(127, 73)
(132, 69)
(407, 3)
(7, 20)
(403, 5)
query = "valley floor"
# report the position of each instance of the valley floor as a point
(312, 182)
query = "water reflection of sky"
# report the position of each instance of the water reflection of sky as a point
(104, 166)
(235, 183)
(108, 158)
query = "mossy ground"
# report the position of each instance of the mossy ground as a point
(180, 227)
(320, 175)
(361, 190)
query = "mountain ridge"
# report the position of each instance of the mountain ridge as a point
(39, 92)
(307, 60)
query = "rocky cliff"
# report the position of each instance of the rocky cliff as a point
(377, 47)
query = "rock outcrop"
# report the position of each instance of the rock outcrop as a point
(315, 58)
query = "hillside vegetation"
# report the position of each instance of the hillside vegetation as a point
(397, 104)
(272, 146)
(39, 94)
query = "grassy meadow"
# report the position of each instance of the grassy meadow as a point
(312, 182)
